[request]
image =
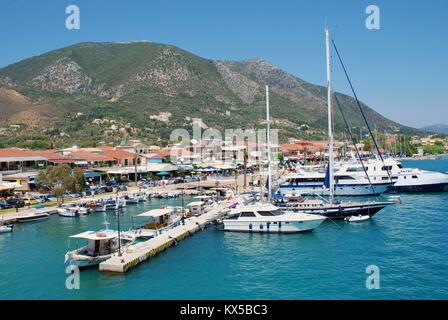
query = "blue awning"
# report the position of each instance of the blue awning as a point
(91, 175)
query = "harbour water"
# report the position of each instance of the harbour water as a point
(406, 241)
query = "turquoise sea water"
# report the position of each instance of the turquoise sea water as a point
(408, 242)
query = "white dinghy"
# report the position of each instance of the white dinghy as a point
(6, 228)
(359, 218)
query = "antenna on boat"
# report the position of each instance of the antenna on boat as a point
(119, 234)
(106, 223)
(330, 131)
(268, 142)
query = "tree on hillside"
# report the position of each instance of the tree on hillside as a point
(60, 179)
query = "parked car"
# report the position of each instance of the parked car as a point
(72, 194)
(15, 202)
(50, 197)
(122, 188)
(108, 189)
(4, 205)
(149, 184)
(178, 180)
(40, 199)
(88, 192)
(30, 201)
(191, 179)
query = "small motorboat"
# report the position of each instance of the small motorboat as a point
(101, 245)
(66, 212)
(131, 199)
(82, 209)
(358, 218)
(33, 217)
(112, 204)
(159, 221)
(5, 228)
(97, 206)
(121, 202)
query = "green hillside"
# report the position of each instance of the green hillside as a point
(145, 90)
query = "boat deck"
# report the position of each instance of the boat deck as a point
(142, 251)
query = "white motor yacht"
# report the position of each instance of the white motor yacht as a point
(267, 218)
(405, 179)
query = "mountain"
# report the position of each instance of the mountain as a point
(92, 93)
(436, 128)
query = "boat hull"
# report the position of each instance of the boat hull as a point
(341, 212)
(355, 219)
(88, 261)
(339, 190)
(33, 219)
(435, 187)
(270, 226)
(6, 229)
(68, 213)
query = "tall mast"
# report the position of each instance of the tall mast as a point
(330, 124)
(268, 140)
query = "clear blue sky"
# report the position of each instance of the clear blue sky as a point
(399, 70)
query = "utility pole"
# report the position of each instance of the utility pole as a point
(135, 166)
(119, 233)
(246, 145)
(235, 164)
(404, 145)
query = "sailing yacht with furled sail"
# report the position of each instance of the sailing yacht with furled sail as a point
(331, 208)
(264, 217)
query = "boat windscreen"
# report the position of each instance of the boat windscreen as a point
(269, 213)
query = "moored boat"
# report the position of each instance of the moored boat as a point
(267, 218)
(101, 245)
(131, 199)
(334, 209)
(359, 218)
(33, 217)
(97, 206)
(160, 220)
(6, 228)
(65, 212)
(112, 204)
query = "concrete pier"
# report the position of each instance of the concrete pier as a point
(140, 252)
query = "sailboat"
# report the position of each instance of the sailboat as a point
(264, 217)
(331, 208)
